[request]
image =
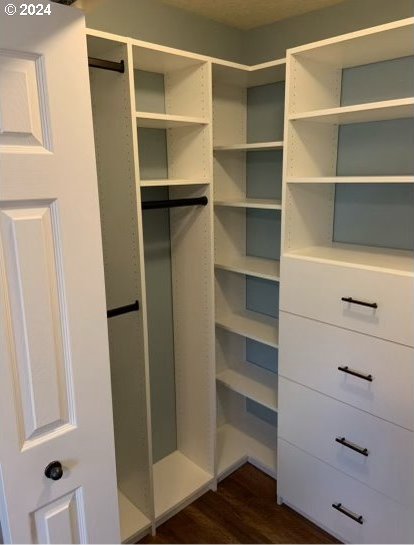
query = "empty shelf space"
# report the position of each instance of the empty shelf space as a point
(132, 521)
(234, 447)
(253, 382)
(171, 182)
(397, 261)
(264, 204)
(167, 121)
(252, 266)
(252, 325)
(351, 180)
(259, 146)
(176, 481)
(361, 113)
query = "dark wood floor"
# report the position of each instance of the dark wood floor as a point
(243, 510)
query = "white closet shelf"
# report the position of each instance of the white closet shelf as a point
(252, 266)
(171, 182)
(264, 204)
(351, 180)
(235, 447)
(133, 522)
(360, 113)
(352, 255)
(167, 121)
(255, 326)
(176, 481)
(257, 146)
(253, 382)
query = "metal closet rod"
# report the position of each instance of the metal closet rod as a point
(175, 203)
(106, 65)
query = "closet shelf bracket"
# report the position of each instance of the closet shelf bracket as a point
(175, 203)
(123, 310)
(106, 65)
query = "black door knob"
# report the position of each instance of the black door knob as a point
(54, 471)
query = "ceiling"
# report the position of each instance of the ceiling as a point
(247, 14)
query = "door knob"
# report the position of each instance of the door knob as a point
(54, 471)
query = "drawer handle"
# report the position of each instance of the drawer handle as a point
(346, 369)
(357, 518)
(352, 446)
(361, 303)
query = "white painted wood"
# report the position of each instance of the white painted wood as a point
(133, 521)
(315, 290)
(351, 180)
(312, 486)
(169, 182)
(257, 146)
(253, 382)
(388, 466)
(361, 113)
(230, 235)
(252, 266)
(311, 353)
(263, 204)
(167, 121)
(177, 480)
(229, 114)
(53, 339)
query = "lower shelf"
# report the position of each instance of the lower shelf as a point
(176, 480)
(133, 522)
(234, 447)
(252, 266)
(258, 327)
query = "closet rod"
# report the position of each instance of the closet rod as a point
(123, 310)
(174, 203)
(106, 65)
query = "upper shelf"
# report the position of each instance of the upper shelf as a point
(167, 121)
(241, 75)
(256, 146)
(360, 113)
(262, 204)
(350, 180)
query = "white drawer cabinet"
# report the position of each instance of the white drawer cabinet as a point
(311, 352)
(315, 290)
(313, 422)
(312, 487)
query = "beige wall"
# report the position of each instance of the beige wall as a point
(271, 41)
(152, 21)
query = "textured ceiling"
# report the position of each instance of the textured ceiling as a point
(246, 14)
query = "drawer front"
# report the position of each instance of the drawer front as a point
(313, 422)
(311, 486)
(310, 353)
(315, 290)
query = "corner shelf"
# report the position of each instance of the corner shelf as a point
(258, 146)
(167, 121)
(253, 382)
(255, 326)
(253, 266)
(263, 204)
(360, 113)
(132, 521)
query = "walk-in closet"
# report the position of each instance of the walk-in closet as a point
(207, 272)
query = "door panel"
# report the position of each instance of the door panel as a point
(55, 395)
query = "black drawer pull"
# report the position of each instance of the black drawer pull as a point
(346, 369)
(361, 303)
(348, 513)
(352, 446)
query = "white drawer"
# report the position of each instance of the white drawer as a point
(313, 422)
(310, 353)
(315, 290)
(311, 486)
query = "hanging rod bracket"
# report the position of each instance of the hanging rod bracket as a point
(106, 65)
(175, 203)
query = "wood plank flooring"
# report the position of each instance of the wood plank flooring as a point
(243, 510)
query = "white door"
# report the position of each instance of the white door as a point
(55, 397)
